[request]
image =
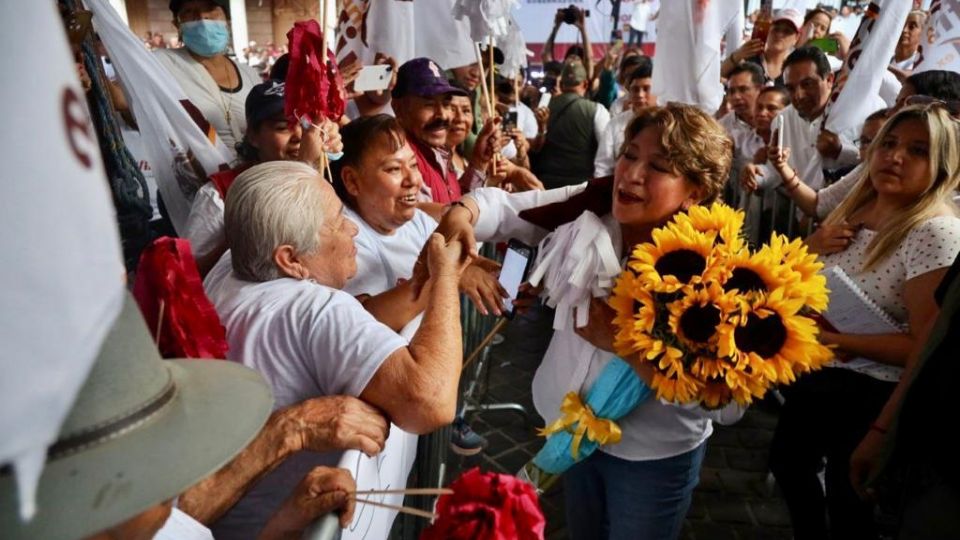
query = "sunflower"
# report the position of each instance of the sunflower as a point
(677, 256)
(694, 318)
(771, 339)
(718, 221)
(745, 272)
(799, 269)
(636, 313)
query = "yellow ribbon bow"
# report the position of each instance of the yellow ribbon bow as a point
(599, 430)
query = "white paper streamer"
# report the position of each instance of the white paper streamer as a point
(577, 262)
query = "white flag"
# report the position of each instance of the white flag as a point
(440, 36)
(63, 274)
(856, 90)
(940, 40)
(687, 65)
(487, 18)
(514, 49)
(368, 27)
(181, 154)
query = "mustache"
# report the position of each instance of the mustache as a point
(437, 124)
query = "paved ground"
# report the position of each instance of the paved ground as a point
(733, 501)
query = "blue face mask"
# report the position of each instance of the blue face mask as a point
(206, 38)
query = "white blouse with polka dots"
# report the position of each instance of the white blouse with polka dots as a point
(930, 246)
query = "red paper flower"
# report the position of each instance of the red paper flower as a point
(167, 276)
(487, 506)
(313, 88)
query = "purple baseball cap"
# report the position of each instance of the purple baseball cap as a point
(423, 77)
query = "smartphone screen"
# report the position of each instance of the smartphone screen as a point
(544, 100)
(372, 78)
(513, 271)
(510, 120)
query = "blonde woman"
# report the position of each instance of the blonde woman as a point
(907, 234)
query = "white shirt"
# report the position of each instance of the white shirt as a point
(527, 122)
(207, 96)
(930, 246)
(307, 340)
(800, 135)
(831, 196)
(640, 16)
(655, 429)
(182, 526)
(906, 64)
(609, 143)
(205, 222)
(382, 259)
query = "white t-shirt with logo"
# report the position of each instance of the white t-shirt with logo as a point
(307, 340)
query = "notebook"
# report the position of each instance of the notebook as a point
(851, 311)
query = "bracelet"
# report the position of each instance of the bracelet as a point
(793, 185)
(461, 204)
(878, 429)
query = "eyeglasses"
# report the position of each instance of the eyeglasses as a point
(952, 106)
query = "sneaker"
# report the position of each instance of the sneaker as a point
(464, 441)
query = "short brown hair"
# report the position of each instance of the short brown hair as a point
(696, 145)
(358, 137)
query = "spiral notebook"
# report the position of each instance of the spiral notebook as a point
(851, 311)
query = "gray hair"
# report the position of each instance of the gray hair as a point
(269, 205)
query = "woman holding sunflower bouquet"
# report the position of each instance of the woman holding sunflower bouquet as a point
(673, 158)
(907, 235)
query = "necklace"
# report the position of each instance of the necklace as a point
(224, 102)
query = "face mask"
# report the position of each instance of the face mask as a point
(206, 38)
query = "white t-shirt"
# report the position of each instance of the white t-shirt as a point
(383, 259)
(640, 16)
(609, 143)
(307, 340)
(932, 245)
(205, 222)
(208, 97)
(831, 196)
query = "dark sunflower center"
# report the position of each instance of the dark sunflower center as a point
(745, 280)
(682, 263)
(699, 323)
(762, 336)
(637, 306)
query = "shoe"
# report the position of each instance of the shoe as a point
(464, 441)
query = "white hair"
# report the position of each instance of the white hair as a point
(270, 205)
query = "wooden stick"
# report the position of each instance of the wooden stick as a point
(408, 491)
(483, 81)
(159, 323)
(486, 341)
(402, 509)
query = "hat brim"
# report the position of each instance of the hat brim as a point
(438, 89)
(219, 407)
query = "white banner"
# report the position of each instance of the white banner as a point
(856, 91)
(687, 65)
(940, 40)
(63, 277)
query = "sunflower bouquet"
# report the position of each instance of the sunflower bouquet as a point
(717, 321)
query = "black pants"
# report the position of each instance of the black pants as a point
(826, 415)
(636, 38)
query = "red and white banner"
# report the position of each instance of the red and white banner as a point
(856, 91)
(940, 40)
(63, 280)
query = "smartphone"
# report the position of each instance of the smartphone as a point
(828, 45)
(513, 272)
(373, 78)
(544, 100)
(509, 120)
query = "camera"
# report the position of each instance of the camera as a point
(572, 13)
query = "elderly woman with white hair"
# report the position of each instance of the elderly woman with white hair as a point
(278, 294)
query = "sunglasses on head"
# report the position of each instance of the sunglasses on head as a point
(952, 106)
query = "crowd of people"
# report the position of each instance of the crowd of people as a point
(342, 289)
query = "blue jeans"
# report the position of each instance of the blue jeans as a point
(609, 498)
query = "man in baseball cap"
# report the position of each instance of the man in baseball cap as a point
(421, 101)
